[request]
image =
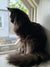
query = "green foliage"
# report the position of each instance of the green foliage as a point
(18, 4)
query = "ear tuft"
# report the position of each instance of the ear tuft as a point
(10, 9)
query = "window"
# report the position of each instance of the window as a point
(28, 6)
(1, 22)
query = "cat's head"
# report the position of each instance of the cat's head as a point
(18, 15)
(13, 13)
(19, 18)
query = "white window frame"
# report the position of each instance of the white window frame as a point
(32, 8)
(2, 21)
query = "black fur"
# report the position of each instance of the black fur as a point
(32, 35)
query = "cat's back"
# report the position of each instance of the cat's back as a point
(38, 31)
(36, 27)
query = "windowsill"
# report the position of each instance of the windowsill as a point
(10, 47)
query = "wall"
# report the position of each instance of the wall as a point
(44, 18)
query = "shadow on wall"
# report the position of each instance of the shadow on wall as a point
(47, 30)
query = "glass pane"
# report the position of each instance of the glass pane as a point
(18, 4)
(0, 19)
(0, 24)
(3, 4)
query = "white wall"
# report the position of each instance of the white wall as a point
(44, 18)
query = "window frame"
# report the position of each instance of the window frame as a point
(32, 8)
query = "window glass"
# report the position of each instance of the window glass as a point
(18, 4)
(0, 22)
(4, 4)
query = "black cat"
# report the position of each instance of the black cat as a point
(33, 40)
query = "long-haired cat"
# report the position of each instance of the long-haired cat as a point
(33, 40)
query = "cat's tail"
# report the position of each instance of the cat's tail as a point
(25, 59)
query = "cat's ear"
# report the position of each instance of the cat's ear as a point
(10, 9)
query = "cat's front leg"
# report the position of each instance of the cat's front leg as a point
(22, 47)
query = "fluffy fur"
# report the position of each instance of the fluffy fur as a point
(33, 39)
(26, 60)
